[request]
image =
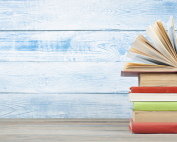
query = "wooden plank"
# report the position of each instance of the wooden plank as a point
(39, 130)
(64, 77)
(72, 127)
(97, 138)
(23, 105)
(61, 121)
(92, 46)
(90, 15)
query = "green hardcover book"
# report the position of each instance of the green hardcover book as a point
(155, 106)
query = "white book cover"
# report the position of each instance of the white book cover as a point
(149, 97)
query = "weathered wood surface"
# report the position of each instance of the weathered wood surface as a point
(82, 46)
(62, 59)
(21, 105)
(64, 90)
(87, 15)
(74, 130)
(64, 77)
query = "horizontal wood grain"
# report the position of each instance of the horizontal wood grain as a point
(64, 77)
(21, 105)
(87, 15)
(66, 62)
(93, 46)
(74, 130)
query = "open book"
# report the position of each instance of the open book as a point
(159, 57)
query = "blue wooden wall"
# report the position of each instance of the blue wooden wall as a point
(62, 58)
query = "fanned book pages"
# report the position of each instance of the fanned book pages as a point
(159, 57)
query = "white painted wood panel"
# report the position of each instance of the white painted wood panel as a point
(84, 15)
(31, 105)
(87, 46)
(67, 55)
(64, 77)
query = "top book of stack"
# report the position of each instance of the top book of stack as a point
(161, 58)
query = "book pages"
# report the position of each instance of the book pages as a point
(142, 45)
(152, 33)
(159, 57)
(171, 32)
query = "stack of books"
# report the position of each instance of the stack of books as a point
(155, 98)
(154, 110)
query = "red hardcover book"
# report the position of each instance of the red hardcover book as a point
(153, 89)
(152, 128)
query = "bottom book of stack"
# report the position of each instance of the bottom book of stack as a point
(152, 127)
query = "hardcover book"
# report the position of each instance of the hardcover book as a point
(152, 128)
(154, 106)
(153, 90)
(152, 97)
(154, 116)
(160, 79)
(159, 57)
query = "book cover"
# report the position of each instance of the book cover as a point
(154, 116)
(152, 128)
(155, 106)
(160, 79)
(152, 97)
(170, 89)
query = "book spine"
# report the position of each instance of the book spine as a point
(155, 106)
(154, 116)
(154, 128)
(152, 97)
(153, 89)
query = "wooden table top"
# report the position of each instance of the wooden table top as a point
(73, 130)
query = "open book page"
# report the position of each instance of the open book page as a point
(163, 39)
(146, 58)
(147, 67)
(168, 44)
(171, 32)
(142, 44)
(162, 56)
(143, 39)
(152, 32)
